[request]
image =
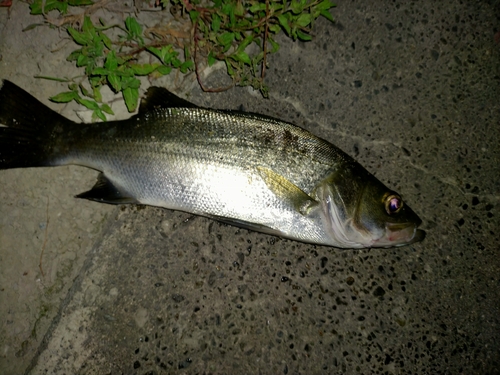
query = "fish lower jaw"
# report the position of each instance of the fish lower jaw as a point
(397, 236)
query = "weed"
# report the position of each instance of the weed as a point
(239, 33)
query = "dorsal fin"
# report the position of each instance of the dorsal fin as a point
(159, 97)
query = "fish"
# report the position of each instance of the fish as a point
(240, 168)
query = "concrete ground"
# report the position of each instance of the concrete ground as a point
(410, 89)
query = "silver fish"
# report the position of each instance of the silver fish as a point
(242, 168)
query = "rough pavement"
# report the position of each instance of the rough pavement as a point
(410, 90)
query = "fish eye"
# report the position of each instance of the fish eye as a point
(393, 204)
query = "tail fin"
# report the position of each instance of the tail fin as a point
(28, 129)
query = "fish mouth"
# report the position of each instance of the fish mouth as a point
(400, 235)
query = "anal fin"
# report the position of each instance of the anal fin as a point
(105, 192)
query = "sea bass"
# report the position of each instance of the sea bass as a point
(245, 169)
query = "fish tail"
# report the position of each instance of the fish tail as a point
(29, 130)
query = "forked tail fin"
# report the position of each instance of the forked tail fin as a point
(28, 129)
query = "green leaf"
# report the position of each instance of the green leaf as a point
(283, 19)
(186, 65)
(216, 22)
(164, 70)
(74, 55)
(176, 63)
(327, 15)
(41, 6)
(88, 28)
(131, 96)
(111, 62)
(79, 2)
(144, 69)
(64, 97)
(133, 27)
(85, 91)
(304, 19)
(165, 54)
(257, 6)
(194, 15)
(264, 90)
(187, 52)
(107, 42)
(244, 23)
(228, 9)
(106, 108)
(239, 10)
(87, 103)
(156, 52)
(303, 36)
(211, 59)
(226, 38)
(274, 28)
(230, 69)
(297, 7)
(36, 7)
(78, 37)
(100, 72)
(258, 58)
(170, 55)
(97, 81)
(94, 51)
(245, 43)
(325, 5)
(242, 56)
(115, 82)
(275, 45)
(202, 27)
(275, 6)
(97, 95)
(123, 72)
(98, 113)
(82, 60)
(130, 82)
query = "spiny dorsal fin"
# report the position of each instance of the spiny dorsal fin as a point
(159, 97)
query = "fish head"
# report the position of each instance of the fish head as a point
(362, 212)
(383, 213)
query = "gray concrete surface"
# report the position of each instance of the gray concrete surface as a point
(409, 89)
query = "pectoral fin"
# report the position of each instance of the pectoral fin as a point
(104, 191)
(287, 191)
